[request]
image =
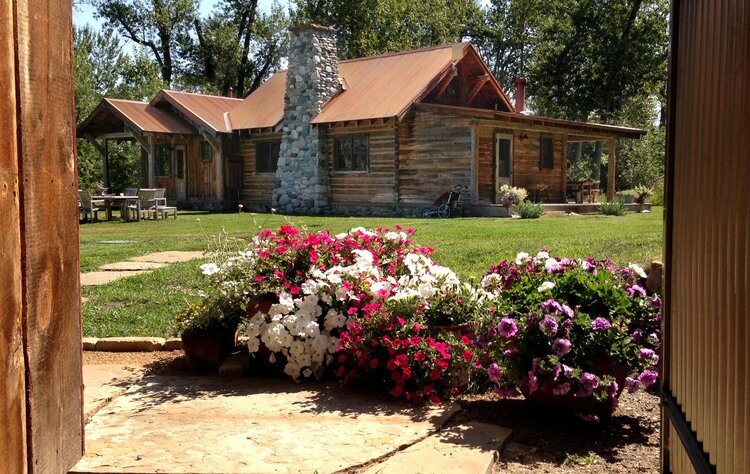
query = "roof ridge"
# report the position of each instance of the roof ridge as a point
(403, 53)
(126, 100)
(201, 94)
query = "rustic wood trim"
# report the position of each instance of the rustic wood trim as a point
(51, 305)
(139, 138)
(687, 435)
(477, 87)
(611, 164)
(446, 81)
(474, 167)
(564, 164)
(214, 141)
(151, 164)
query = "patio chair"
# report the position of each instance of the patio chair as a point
(131, 191)
(87, 206)
(161, 207)
(142, 207)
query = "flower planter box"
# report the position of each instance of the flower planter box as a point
(206, 349)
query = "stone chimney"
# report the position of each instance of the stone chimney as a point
(520, 94)
(312, 78)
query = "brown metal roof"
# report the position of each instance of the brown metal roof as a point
(582, 128)
(374, 87)
(206, 112)
(263, 108)
(110, 115)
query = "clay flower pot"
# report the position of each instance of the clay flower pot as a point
(207, 348)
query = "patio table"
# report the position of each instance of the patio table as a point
(112, 199)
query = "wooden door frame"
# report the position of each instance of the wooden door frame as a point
(496, 145)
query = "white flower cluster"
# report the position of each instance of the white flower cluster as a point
(425, 278)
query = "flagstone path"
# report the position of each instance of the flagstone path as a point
(136, 266)
(215, 424)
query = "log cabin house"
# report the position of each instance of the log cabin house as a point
(382, 135)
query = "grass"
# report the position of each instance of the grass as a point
(147, 304)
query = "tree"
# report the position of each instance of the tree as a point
(237, 48)
(368, 27)
(160, 26)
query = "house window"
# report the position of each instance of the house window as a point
(267, 156)
(351, 153)
(546, 153)
(163, 160)
(207, 151)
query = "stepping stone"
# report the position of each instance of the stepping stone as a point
(102, 278)
(102, 383)
(218, 424)
(168, 257)
(467, 448)
(132, 266)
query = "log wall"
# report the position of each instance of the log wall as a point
(41, 392)
(378, 184)
(257, 188)
(526, 159)
(434, 155)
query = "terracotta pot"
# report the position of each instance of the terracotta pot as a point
(261, 303)
(544, 398)
(206, 349)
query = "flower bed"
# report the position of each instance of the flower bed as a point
(372, 307)
(570, 333)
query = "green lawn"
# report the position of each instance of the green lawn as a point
(147, 304)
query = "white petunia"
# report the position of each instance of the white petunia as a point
(521, 257)
(542, 255)
(546, 286)
(637, 269)
(209, 268)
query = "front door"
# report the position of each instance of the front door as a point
(503, 161)
(179, 172)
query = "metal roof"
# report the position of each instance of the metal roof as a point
(206, 112)
(110, 114)
(263, 108)
(374, 87)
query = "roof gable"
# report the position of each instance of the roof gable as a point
(205, 112)
(140, 117)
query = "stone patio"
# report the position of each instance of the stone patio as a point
(216, 424)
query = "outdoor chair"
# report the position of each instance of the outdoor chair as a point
(142, 207)
(87, 207)
(131, 191)
(160, 205)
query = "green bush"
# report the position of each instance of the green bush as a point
(530, 210)
(657, 197)
(614, 208)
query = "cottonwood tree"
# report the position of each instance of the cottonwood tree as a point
(160, 26)
(236, 48)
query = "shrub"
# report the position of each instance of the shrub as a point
(530, 210)
(642, 193)
(657, 197)
(572, 330)
(511, 196)
(614, 208)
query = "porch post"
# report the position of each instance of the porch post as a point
(219, 163)
(105, 164)
(151, 169)
(611, 163)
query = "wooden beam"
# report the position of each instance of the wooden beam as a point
(477, 87)
(215, 142)
(611, 163)
(151, 168)
(90, 138)
(445, 82)
(564, 180)
(138, 137)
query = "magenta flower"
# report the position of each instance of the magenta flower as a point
(507, 327)
(648, 377)
(494, 372)
(600, 324)
(548, 325)
(636, 290)
(561, 389)
(647, 354)
(637, 335)
(631, 384)
(588, 383)
(567, 311)
(561, 347)
(551, 305)
(506, 391)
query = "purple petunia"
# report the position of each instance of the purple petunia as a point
(561, 347)
(506, 391)
(636, 290)
(648, 377)
(551, 305)
(494, 372)
(631, 384)
(507, 327)
(588, 383)
(637, 335)
(567, 311)
(647, 354)
(655, 302)
(561, 389)
(600, 324)
(548, 325)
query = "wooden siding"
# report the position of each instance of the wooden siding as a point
(378, 184)
(40, 305)
(200, 176)
(526, 170)
(257, 188)
(13, 389)
(434, 155)
(707, 355)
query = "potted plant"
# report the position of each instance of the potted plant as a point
(209, 330)
(570, 334)
(627, 196)
(511, 196)
(642, 193)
